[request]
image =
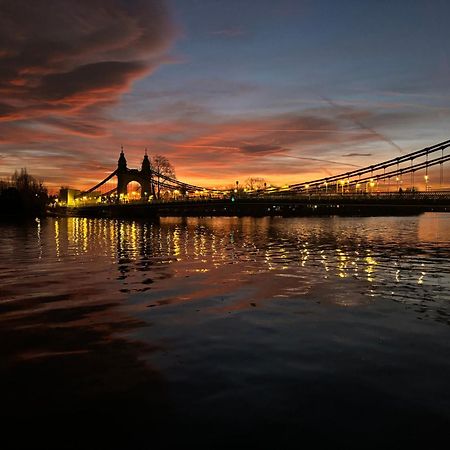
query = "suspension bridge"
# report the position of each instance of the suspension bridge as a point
(416, 178)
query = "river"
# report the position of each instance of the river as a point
(225, 331)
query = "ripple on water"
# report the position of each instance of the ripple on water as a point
(265, 311)
(404, 259)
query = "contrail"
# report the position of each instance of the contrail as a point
(307, 130)
(363, 126)
(221, 147)
(328, 161)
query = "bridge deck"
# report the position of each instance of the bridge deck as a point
(285, 206)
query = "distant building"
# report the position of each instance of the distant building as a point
(67, 196)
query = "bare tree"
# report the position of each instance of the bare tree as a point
(255, 183)
(162, 166)
(25, 182)
(23, 194)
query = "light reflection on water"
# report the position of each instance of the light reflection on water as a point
(146, 289)
(340, 261)
(404, 259)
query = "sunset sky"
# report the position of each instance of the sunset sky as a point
(226, 89)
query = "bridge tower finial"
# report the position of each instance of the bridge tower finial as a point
(122, 162)
(146, 168)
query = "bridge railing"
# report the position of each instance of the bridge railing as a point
(404, 196)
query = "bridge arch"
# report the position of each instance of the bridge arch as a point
(126, 176)
(124, 180)
(135, 190)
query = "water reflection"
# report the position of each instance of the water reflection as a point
(346, 261)
(103, 316)
(67, 374)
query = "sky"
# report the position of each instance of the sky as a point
(226, 89)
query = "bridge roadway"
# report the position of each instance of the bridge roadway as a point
(298, 205)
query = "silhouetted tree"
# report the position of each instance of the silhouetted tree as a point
(22, 195)
(255, 183)
(162, 166)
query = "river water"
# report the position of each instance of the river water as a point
(225, 331)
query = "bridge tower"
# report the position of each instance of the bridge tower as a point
(143, 176)
(146, 175)
(122, 172)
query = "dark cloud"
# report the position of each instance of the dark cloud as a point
(349, 155)
(77, 127)
(96, 79)
(261, 148)
(280, 134)
(291, 136)
(59, 55)
(6, 110)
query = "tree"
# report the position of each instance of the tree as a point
(23, 195)
(255, 183)
(162, 166)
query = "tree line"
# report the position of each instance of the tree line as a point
(22, 195)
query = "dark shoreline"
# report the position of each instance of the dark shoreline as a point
(261, 207)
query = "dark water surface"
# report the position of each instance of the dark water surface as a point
(225, 332)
